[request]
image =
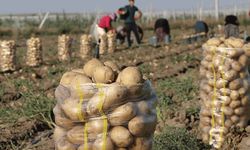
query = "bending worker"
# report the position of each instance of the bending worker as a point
(201, 26)
(161, 29)
(104, 25)
(231, 26)
(130, 21)
(121, 32)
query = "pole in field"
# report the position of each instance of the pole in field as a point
(217, 9)
(44, 19)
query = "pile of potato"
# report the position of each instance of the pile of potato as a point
(103, 45)
(111, 41)
(7, 55)
(101, 106)
(34, 52)
(224, 88)
(64, 45)
(86, 45)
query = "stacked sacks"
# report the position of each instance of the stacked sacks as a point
(224, 88)
(86, 45)
(7, 55)
(64, 45)
(34, 52)
(103, 44)
(111, 41)
(101, 107)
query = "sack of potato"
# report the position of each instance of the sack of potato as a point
(64, 45)
(103, 45)
(34, 52)
(224, 89)
(86, 45)
(7, 55)
(111, 41)
(100, 107)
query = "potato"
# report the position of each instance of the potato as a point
(240, 111)
(228, 111)
(113, 66)
(113, 96)
(225, 91)
(61, 93)
(219, 138)
(209, 75)
(204, 63)
(120, 136)
(210, 66)
(222, 39)
(243, 60)
(234, 95)
(229, 123)
(118, 79)
(235, 104)
(245, 101)
(64, 144)
(142, 125)
(141, 143)
(229, 45)
(237, 66)
(89, 146)
(227, 100)
(70, 108)
(223, 46)
(231, 75)
(205, 120)
(103, 74)
(119, 148)
(79, 71)
(90, 66)
(131, 76)
(235, 84)
(246, 84)
(98, 144)
(242, 92)
(218, 129)
(96, 126)
(205, 138)
(235, 118)
(207, 88)
(143, 107)
(214, 41)
(211, 95)
(87, 91)
(59, 133)
(73, 78)
(217, 61)
(246, 48)
(76, 134)
(237, 44)
(122, 114)
(206, 112)
(220, 83)
(235, 53)
(60, 119)
(209, 57)
(224, 68)
(242, 124)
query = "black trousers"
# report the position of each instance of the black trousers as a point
(132, 27)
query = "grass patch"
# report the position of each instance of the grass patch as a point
(172, 138)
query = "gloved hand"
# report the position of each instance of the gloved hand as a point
(119, 12)
(136, 18)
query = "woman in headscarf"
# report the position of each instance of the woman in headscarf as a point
(105, 25)
(161, 29)
(232, 26)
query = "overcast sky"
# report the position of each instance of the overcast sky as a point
(33, 6)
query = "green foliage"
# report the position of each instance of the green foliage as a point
(177, 139)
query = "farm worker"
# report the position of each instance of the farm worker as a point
(104, 25)
(231, 26)
(130, 21)
(121, 32)
(162, 29)
(201, 26)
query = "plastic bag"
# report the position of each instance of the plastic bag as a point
(105, 116)
(86, 45)
(64, 48)
(224, 91)
(7, 55)
(34, 52)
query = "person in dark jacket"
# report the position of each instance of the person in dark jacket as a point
(231, 26)
(161, 29)
(201, 26)
(130, 21)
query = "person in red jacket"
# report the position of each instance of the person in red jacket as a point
(105, 25)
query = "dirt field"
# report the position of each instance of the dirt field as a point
(27, 95)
